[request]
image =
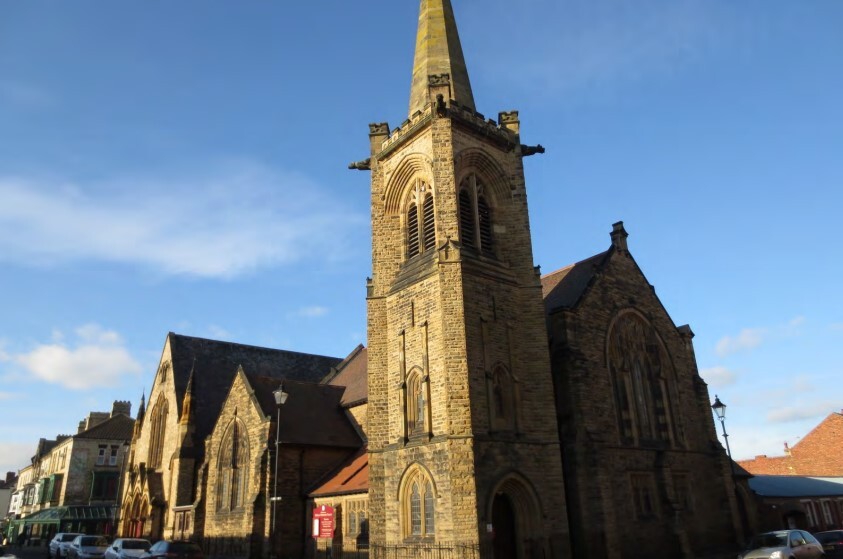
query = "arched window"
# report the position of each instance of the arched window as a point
(421, 221)
(639, 362)
(418, 505)
(503, 398)
(158, 428)
(475, 216)
(233, 468)
(416, 403)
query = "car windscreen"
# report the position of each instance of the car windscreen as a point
(773, 539)
(135, 544)
(93, 541)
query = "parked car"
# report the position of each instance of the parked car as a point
(127, 548)
(59, 544)
(166, 549)
(87, 547)
(832, 542)
(783, 544)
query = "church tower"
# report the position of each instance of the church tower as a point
(463, 449)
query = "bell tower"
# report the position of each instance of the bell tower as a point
(463, 446)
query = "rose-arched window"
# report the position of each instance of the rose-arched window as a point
(418, 505)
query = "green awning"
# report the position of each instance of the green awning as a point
(55, 515)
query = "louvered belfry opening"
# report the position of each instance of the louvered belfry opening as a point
(467, 234)
(484, 215)
(412, 231)
(429, 227)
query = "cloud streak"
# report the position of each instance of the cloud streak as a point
(233, 221)
(718, 377)
(99, 359)
(747, 339)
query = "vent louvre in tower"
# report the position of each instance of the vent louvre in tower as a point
(412, 231)
(429, 229)
(466, 220)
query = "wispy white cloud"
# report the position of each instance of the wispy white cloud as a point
(748, 338)
(98, 359)
(718, 377)
(837, 326)
(810, 409)
(310, 312)
(6, 395)
(222, 224)
(583, 45)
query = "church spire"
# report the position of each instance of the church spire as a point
(438, 53)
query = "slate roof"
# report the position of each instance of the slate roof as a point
(117, 427)
(312, 414)
(797, 486)
(564, 287)
(216, 363)
(352, 373)
(352, 477)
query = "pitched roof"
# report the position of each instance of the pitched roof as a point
(797, 486)
(438, 51)
(564, 287)
(216, 364)
(816, 454)
(312, 414)
(114, 428)
(351, 477)
(352, 374)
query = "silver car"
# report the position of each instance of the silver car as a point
(59, 544)
(783, 544)
(127, 548)
(87, 547)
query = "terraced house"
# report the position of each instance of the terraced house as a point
(494, 413)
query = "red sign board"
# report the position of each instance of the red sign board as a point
(323, 522)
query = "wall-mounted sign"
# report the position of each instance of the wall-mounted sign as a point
(323, 522)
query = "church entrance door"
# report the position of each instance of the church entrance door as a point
(505, 534)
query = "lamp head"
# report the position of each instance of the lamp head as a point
(280, 395)
(719, 408)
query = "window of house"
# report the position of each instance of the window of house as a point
(104, 486)
(112, 457)
(233, 470)
(418, 505)
(811, 514)
(475, 216)
(827, 515)
(421, 221)
(643, 495)
(101, 455)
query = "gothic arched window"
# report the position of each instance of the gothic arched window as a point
(418, 505)
(638, 363)
(233, 468)
(416, 403)
(157, 430)
(421, 220)
(475, 216)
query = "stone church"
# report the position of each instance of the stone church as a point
(495, 412)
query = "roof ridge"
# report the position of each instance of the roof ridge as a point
(223, 342)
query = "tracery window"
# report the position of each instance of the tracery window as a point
(158, 427)
(475, 216)
(640, 369)
(233, 468)
(418, 505)
(421, 220)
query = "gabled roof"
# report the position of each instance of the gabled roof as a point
(352, 477)
(797, 486)
(565, 287)
(216, 364)
(816, 454)
(352, 374)
(312, 414)
(114, 428)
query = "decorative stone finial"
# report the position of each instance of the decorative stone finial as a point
(619, 236)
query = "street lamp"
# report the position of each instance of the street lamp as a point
(720, 410)
(280, 398)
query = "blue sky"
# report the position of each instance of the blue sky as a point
(180, 166)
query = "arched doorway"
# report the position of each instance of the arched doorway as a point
(505, 532)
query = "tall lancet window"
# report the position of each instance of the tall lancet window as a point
(421, 220)
(233, 468)
(157, 431)
(640, 368)
(475, 216)
(418, 505)
(416, 403)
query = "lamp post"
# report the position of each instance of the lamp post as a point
(280, 398)
(117, 502)
(720, 411)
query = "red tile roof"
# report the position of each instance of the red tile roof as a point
(352, 477)
(817, 454)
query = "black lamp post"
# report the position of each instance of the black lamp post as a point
(720, 410)
(280, 398)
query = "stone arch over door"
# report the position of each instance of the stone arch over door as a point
(514, 511)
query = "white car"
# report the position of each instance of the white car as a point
(784, 544)
(127, 548)
(87, 547)
(59, 544)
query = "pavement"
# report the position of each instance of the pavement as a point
(15, 552)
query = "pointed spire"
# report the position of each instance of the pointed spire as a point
(187, 407)
(438, 53)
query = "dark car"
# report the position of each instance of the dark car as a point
(832, 542)
(166, 549)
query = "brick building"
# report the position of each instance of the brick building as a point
(494, 413)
